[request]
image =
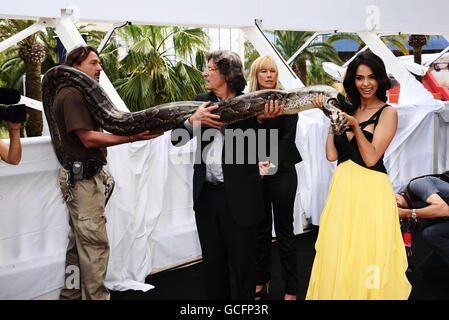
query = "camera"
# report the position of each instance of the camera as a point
(11, 112)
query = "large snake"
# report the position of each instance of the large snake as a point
(168, 116)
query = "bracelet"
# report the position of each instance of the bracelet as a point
(414, 214)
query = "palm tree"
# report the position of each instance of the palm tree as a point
(396, 41)
(31, 57)
(288, 42)
(32, 53)
(109, 58)
(48, 40)
(158, 66)
(251, 54)
(316, 75)
(417, 41)
(11, 69)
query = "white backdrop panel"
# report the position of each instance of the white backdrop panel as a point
(443, 141)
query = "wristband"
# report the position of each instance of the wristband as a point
(414, 214)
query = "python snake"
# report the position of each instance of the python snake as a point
(168, 116)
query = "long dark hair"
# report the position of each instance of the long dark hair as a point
(230, 67)
(377, 65)
(78, 55)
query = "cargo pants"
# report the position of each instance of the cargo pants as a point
(88, 249)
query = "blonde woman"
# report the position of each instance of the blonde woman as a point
(279, 190)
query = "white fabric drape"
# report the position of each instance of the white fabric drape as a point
(150, 220)
(443, 138)
(314, 171)
(34, 225)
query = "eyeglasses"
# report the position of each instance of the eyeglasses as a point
(208, 69)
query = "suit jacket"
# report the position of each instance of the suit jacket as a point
(242, 183)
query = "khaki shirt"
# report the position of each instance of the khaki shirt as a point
(71, 114)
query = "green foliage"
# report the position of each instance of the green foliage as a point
(287, 43)
(4, 134)
(12, 70)
(316, 75)
(162, 64)
(251, 54)
(397, 41)
(12, 67)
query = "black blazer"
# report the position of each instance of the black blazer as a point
(242, 183)
(288, 154)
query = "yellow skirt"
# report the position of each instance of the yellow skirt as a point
(360, 252)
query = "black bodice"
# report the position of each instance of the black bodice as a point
(349, 150)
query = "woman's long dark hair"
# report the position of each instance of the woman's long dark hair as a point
(377, 65)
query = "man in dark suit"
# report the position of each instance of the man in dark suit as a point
(227, 197)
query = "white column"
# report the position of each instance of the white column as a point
(25, 33)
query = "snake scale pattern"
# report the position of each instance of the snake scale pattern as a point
(168, 116)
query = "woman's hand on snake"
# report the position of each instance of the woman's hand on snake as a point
(272, 110)
(352, 122)
(318, 101)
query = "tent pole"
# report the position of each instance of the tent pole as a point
(25, 33)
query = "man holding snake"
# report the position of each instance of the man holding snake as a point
(83, 180)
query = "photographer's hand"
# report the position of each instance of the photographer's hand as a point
(13, 126)
(12, 154)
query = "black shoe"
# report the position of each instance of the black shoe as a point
(264, 293)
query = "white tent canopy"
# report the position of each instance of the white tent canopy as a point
(406, 16)
(366, 17)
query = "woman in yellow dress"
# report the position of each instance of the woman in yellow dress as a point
(360, 253)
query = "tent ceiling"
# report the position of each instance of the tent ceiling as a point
(406, 16)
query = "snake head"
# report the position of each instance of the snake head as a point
(333, 108)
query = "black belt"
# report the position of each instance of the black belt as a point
(214, 185)
(84, 169)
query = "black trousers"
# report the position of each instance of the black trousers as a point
(228, 249)
(436, 264)
(279, 195)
